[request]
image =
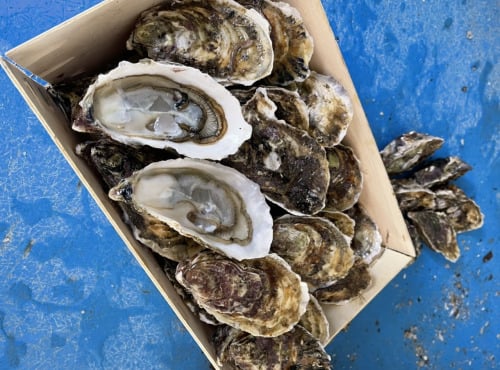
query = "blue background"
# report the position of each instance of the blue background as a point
(72, 296)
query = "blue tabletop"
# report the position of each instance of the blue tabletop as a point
(72, 296)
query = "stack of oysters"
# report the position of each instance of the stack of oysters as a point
(223, 150)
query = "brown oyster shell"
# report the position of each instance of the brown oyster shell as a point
(314, 247)
(315, 321)
(343, 222)
(260, 296)
(289, 165)
(367, 241)
(440, 171)
(296, 349)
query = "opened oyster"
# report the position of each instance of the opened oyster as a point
(330, 108)
(211, 203)
(289, 165)
(315, 321)
(314, 248)
(297, 349)
(164, 106)
(261, 296)
(219, 37)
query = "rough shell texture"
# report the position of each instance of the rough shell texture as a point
(260, 296)
(343, 222)
(211, 203)
(330, 108)
(408, 150)
(413, 196)
(219, 37)
(367, 241)
(437, 232)
(346, 178)
(290, 166)
(315, 321)
(352, 286)
(314, 247)
(440, 171)
(164, 106)
(297, 349)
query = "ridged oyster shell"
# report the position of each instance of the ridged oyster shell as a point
(315, 321)
(220, 37)
(164, 106)
(261, 296)
(213, 204)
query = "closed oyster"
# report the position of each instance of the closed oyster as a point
(213, 204)
(350, 287)
(408, 150)
(343, 222)
(297, 349)
(315, 322)
(164, 106)
(290, 166)
(330, 108)
(115, 161)
(261, 296)
(367, 241)
(440, 171)
(314, 248)
(437, 232)
(413, 196)
(219, 37)
(346, 178)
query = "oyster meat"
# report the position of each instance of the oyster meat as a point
(315, 321)
(164, 106)
(297, 349)
(213, 204)
(219, 37)
(330, 108)
(261, 296)
(289, 165)
(314, 248)
(408, 150)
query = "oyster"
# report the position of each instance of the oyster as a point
(413, 196)
(290, 166)
(297, 349)
(219, 37)
(164, 106)
(343, 222)
(346, 178)
(367, 241)
(408, 150)
(330, 108)
(343, 291)
(315, 322)
(261, 296)
(213, 204)
(440, 171)
(115, 161)
(314, 248)
(437, 232)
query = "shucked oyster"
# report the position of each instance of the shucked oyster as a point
(289, 165)
(297, 350)
(213, 204)
(219, 37)
(261, 296)
(314, 248)
(164, 106)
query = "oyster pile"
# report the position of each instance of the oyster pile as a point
(223, 150)
(435, 209)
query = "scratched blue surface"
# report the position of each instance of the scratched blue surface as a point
(72, 296)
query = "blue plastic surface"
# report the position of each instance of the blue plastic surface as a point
(72, 296)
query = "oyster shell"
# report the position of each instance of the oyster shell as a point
(219, 37)
(413, 196)
(115, 161)
(408, 150)
(290, 166)
(315, 322)
(314, 248)
(350, 287)
(437, 232)
(261, 296)
(213, 204)
(343, 222)
(164, 106)
(330, 108)
(346, 178)
(440, 171)
(297, 349)
(367, 241)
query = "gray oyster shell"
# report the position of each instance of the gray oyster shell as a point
(297, 349)
(315, 321)
(367, 241)
(219, 37)
(440, 171)
(261, 296)
(343, 222)
(290, 167)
